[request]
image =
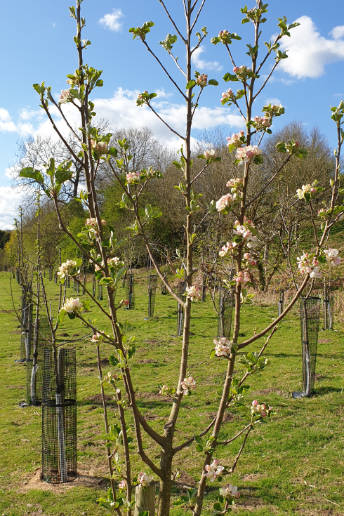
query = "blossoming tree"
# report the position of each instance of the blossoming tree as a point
(97, 241)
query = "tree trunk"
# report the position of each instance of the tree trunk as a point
(165, 484)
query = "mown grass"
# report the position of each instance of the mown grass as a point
(291, 465)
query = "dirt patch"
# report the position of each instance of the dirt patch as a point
(152, 396)
(251, 477)
(263, 392)
(185, 480)
(84, 479)
(227, 417)
(147, 361)
(97, 399)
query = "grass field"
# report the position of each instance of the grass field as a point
(294, 464)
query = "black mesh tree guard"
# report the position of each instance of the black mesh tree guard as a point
(100, 292)
(34, 370)
(94, 285)
(225, 313)
(68, 282)
(281, 302)
(130, 290)
(26, 324)
(59, 453)
(328, 309)
(163, 289)
(152, 284)
(309, 317)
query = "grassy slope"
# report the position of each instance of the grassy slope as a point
(292, 465)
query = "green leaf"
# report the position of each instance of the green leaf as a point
(230, 77)
(213, 82)
(62, 176)
(190, 84)
(32, 173)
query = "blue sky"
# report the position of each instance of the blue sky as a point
(36, 45)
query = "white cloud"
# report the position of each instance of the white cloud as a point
(10, 199)
(112, 20)
(273, 100)
(6, 123)
(201, 64)
(309, 52)
(337, 32)
(121, 112)
(29, 114)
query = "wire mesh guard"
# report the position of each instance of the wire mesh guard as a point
(100, 292)
(34, 368)
(130, 291)
(328, 309)
(309, 317)
(59, 453)
(281, 302)
(204, 288)
(26, 325)
(163, 288)
(152, 284)
(225, 313)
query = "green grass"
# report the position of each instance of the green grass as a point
(291, 465)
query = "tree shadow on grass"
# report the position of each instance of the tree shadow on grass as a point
(326, 390)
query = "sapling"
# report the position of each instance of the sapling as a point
(98, 244)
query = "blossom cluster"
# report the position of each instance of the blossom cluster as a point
(115, 262)
(96, 338)
(273, 110)
(193, 292)
(247, 154)
(143, 479)
(309, 264)
(235, 185)
(245, 231)
(260, 409)
(65, 96)
(67, 268)
(133, 177)
(223, 35)
(223, 347)
(213, 470)
(227, 96)
(236, 140)
(306, 192)
(72, 305)
(224, 202)
(228, 247)
(250, 260)
(332, 257)
(92, 226)
(122, 485)
(242, 72)
(99, 147)
(209, 154)
(229, 491)
(202, 80)
(261, 123)
(242, 277)
(188, 384)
